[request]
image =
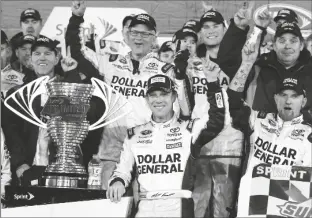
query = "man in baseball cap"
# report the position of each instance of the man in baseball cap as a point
(23, 50)
(288, 27)
(193, 25)
(211, 15)
(145, 19)
(292, 83)
(160, 82)
(286, 15)
(31, 24)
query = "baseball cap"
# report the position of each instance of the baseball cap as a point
(4, 38)
(30, 13)
(176, 36)
(187, 32)
(292, 83)
(160, 82)
(128, 17)
(211, 15)
(166, 46)
(26, 39)
(145, 19)
(193, 25)
(288, 28)
(46, 42)
(287, 14)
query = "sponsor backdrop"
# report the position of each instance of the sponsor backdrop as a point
(280, 191)
(169, 15)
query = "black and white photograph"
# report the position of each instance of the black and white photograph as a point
(190, 109)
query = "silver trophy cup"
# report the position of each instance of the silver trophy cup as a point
(66, 109)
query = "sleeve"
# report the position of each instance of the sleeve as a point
(87, 59)
(185, 97)
(243, 117)
(72, 76)
(204, 132)
(12, 129)
(5, 164)
(229, 55)
(125, 166)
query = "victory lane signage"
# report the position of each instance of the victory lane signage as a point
(66, 108)
(281, 191)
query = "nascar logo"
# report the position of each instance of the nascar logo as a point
(305, 16)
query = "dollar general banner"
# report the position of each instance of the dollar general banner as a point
(280, 191)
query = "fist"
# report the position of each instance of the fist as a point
(68, 64)
(264, 19)
(244, 15)
(181, 63)
(78, 8)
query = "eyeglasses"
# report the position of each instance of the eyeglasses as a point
(144, 35)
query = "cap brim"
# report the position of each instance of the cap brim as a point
(157, 88)
(279, 33)
(30, 16)
(203, 20)
(47, 45)
(134, 23)
(184, 34)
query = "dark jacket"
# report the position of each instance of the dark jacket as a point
(229, 56)
(271, 72)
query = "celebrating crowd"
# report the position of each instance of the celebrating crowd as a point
(204, 106)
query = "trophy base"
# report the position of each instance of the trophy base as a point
(65, 181)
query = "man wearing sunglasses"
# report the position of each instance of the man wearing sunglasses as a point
(127, 74)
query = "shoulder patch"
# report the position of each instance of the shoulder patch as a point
(262, 114)
(310, 137)
(190, 125)
(113, 57)
(130, 132)
(166, 67)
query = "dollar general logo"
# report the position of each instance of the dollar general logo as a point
(304, 22)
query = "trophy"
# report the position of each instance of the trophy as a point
(64, 114)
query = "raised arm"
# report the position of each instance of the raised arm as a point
(205, 131)
(87, 59)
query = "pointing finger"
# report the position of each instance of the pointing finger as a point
(68, 53)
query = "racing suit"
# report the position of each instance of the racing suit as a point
(218, 168)
(9, 79)
(5, 165)
(272, 141)
(163, 154)
(129, 78)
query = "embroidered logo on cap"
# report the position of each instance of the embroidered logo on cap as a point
(158, 79)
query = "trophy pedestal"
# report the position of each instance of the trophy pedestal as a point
(65, 175)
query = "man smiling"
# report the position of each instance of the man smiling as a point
(163, 151)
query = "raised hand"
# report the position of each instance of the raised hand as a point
(78, 8)
(68, 63)
(264, 19)
(211, 69)
(244, 15)
(250, 52)
(181, 62)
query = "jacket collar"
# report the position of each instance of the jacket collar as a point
(166, 124)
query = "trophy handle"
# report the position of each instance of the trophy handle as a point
(100, 91)
(33, 89)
